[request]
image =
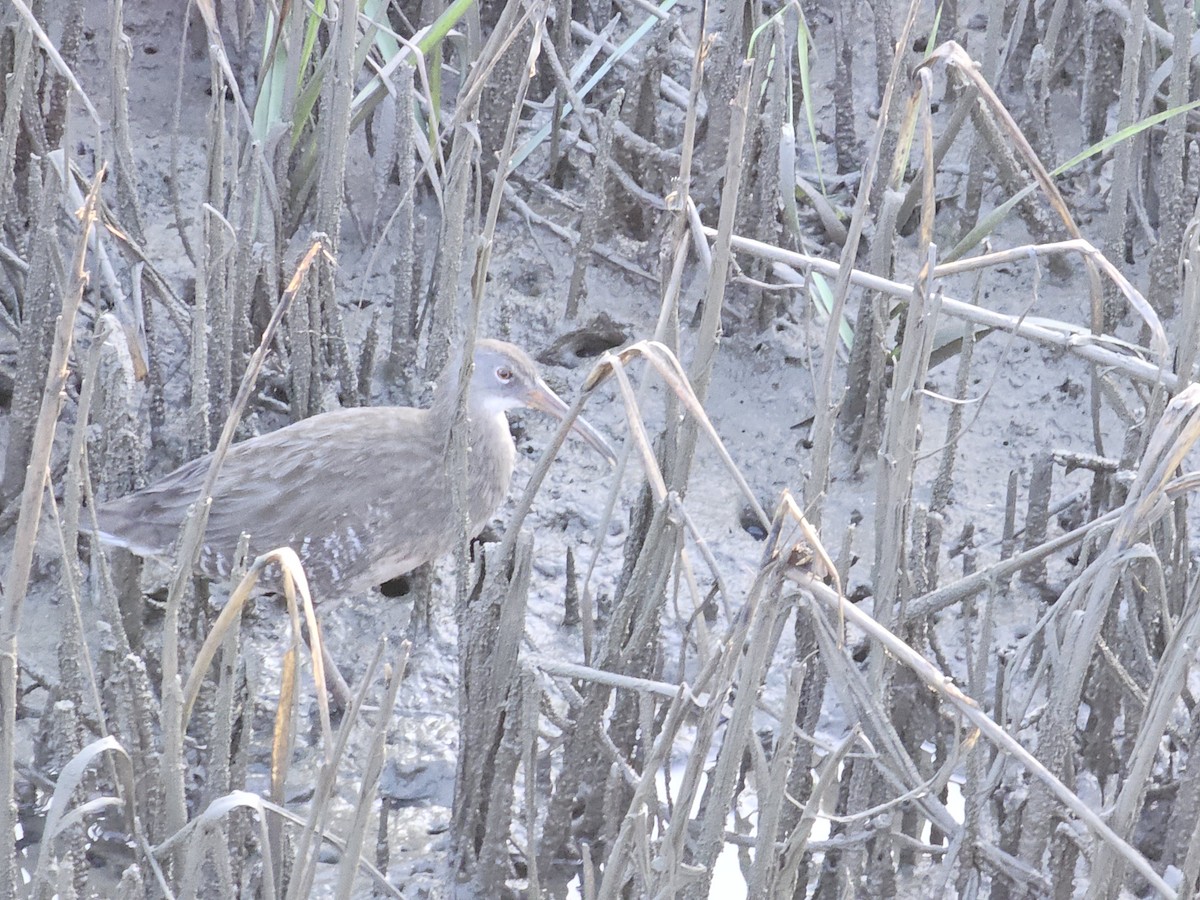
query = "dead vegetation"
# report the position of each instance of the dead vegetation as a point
(657, 140)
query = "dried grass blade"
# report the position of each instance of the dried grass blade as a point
(293, 578)
(216, 636)
(57, 816)
(668, 367)
(283, 733)
(314, 826)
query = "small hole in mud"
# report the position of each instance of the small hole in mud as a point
(591, 345)
(395, 587)
(751, 525)
(587, 342)
(151, 50)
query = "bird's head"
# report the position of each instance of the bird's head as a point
(506, 378)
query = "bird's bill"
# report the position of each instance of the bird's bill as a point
(543, 399)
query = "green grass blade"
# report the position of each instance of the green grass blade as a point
(822, 297)
(989, 222)
(803, 41)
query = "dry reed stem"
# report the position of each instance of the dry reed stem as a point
(373, 766)
(306, 855)
(491, 624)
(405, 266)
(16, 576)
(14, 99)
(1116, 216)
(1164, 272)
(1064, 335)
(956, 57)
(680, 201)
(593, 206)
(762, 880)
(760, 642)
(825, 404)
(576, 672)
(670, 370)
(616, 870)
(293, 578)
(466, 154)
(1189, 324)
(1089, 596)
(120, 54)
(222, 806)
(714, 294)
(216, 46)
(741, 659)
(189, 552)
(59, 818)
(942, 685)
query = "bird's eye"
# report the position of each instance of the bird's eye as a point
(504, 374)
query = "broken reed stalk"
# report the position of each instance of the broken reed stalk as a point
(333, 137)
(1037, 514)
(1128, 95)
(593, 208)
(405, 266)
(491, 696)
(16, 576)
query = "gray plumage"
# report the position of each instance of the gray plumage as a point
(362, 495)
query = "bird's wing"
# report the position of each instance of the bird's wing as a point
(274, 486)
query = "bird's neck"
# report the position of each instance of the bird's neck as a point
(487, 425)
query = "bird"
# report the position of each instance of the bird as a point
(363, 495)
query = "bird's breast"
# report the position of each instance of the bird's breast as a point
(490, 461)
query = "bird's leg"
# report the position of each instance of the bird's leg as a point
(126, 572)
(337, 686)
(420, 582)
